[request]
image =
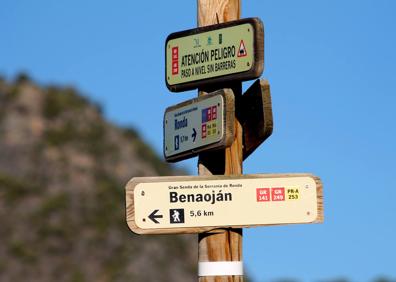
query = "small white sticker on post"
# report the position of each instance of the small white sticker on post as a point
(220, 268)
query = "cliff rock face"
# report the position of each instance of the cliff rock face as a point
(63, 169)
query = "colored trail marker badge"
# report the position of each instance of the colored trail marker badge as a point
(199, 124)
(214, 54)
(192, 204)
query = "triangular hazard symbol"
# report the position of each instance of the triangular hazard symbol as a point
(242, 50)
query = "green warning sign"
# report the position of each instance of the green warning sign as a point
(231, 51)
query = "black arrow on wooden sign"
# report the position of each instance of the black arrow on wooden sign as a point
(153, 216)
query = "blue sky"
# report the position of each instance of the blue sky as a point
(331, 67)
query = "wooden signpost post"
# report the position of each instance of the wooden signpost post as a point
(223, 127)
(220, 252)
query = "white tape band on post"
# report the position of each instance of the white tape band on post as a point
(220, 268)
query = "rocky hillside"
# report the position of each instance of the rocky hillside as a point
(63, 169)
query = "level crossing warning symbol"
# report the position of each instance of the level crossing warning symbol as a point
(242, 50)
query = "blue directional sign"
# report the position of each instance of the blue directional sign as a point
(198, 124)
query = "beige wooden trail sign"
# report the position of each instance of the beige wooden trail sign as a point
(193, 204)
(199, 124)
(232, 51)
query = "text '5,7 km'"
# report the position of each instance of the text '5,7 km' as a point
(190, 204)
(214, 54)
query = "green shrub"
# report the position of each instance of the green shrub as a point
(54, 204)
(22, 251)
(22, 78)
(61, 136)
(59, 100)
(14, 189)
(77, 276)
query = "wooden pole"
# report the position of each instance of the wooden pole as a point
(221, 244)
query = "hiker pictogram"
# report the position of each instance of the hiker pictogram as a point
(176, 215)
